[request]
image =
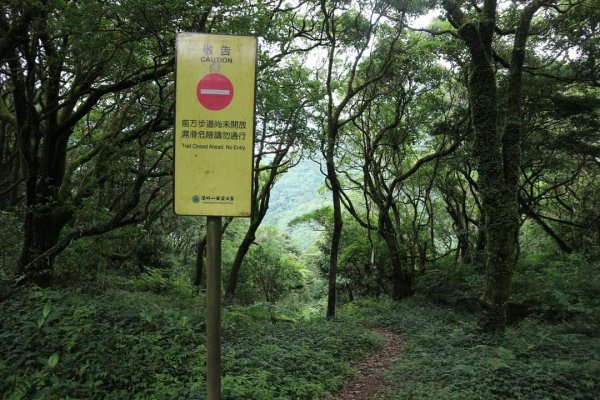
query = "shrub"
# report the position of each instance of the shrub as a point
(10, 242)
(457, 286)
(146, 345)
(117, 345)
(557, 288)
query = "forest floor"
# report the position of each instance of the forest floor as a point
(370, 372)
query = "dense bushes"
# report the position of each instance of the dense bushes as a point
(289, 360)
(10, 243)
(551, 350)
(143, 338)
(458, 286)
(558, 288)
(270, 272)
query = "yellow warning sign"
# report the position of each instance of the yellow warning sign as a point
(214, 124)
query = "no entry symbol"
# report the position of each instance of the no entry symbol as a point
(214, 91)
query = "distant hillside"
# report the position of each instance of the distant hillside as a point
(296, 193)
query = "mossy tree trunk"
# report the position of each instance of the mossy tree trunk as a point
(199, 270)
(496, 148)
(336, 233)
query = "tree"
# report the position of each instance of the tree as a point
(408, 122)
(272, 270)
(497, 123)
(348, 34)
(454, 191)
(66, 70)
(284, 98)
(86, 105)
(558, 165)
(363, 268)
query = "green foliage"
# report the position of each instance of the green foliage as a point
(272, 272)
(120, 344)
(558, 152)
(162, 281)
(558, 288)
(550, 287)
(133, 327)
(286, 360)
(91, 263)
(10, 242)
(353, 29)
(363, 265)
(297, 193)
(549, 352)
(445, 357)
(455, 286)
(139, 344)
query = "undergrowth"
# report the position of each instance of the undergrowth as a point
(148, 342)
(143, 338)
(552, 351)
(546, 287)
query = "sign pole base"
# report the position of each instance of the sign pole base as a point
(213, 308)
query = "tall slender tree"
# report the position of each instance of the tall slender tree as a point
(283, 123)
(349, 30)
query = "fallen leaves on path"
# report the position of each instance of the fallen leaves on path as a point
(369, 372)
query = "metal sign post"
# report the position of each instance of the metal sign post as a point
(214, 141)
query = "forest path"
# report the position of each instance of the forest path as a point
(370, 371)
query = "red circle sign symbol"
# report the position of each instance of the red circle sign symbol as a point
(214, 91)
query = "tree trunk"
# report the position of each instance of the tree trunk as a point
(41, 232)
(498, 209)
(249, 238)
(422, 256)
(336, 234)
(199, 273)
(500, 259)
(401, 279)
(46, 213)
(479, 257)
(464, 248)
(501, 200)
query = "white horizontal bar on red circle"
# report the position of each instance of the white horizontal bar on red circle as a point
(224, 92)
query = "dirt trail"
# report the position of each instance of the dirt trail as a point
(369, 372)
